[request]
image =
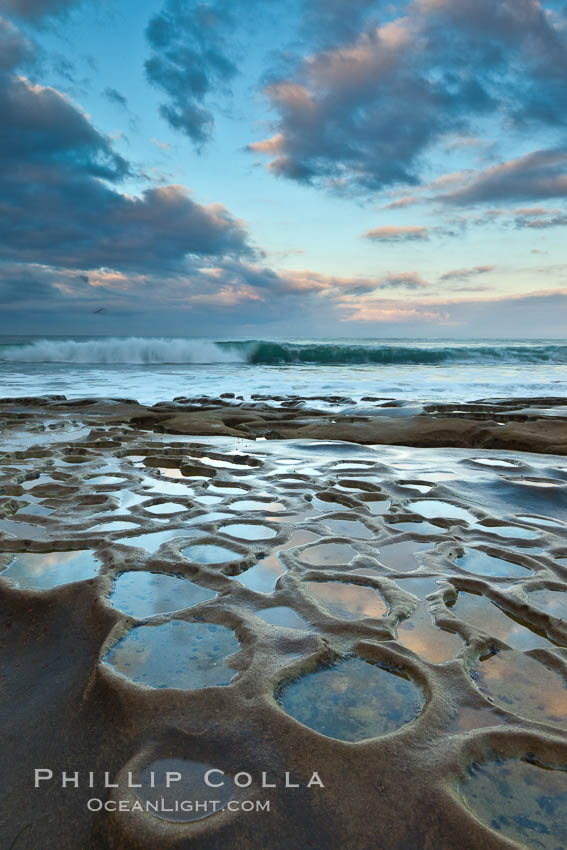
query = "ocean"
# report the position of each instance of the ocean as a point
(159, 369)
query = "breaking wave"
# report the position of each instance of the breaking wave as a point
(144, 350)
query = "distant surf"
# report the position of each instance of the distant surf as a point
(147, 350)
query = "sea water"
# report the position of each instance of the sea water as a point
(156, 369)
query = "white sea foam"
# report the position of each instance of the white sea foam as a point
(133, 350)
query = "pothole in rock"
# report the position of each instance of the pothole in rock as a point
(116, 525)
(328, 554)
(353, 700)
(435, 509)
(209, 553)
(419, 488)
(401, 557)
(420, 634)
(418, 528)
(326, 505)
(22, 529)
(262, 577)
(105, 479)
(349, 528)
(186, 800)
(51, 569)
(481, 563)
(213, 516)
(523, 686)
(36, 510)
(348, 601)
(127, 498)
(496, 462)
(254, 505)
(419, 586)
(228, 489)
(521, 799)
(467, 718)
(166, 488)
(144, 594)
(545, 521)
(166, 508)
(177, 654)
(154, 539)
(514, 532)
(544, 483)
(248, 531)
(283, 615)
(553, 602)
(377, 506)
(208, 500)
(487, 617)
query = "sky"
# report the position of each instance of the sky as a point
(253, 169)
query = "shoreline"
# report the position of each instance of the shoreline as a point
(259, 597)
(521, 424)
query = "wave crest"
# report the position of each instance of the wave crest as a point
(148, 351)
(133, 350)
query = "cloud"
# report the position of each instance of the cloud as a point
(114, 96)
(27, 286)
(34, 11)
(466, 274)
(391, 314)
(397, 234)
(533, 315)
(402, 203)
(58, 205)
(537, 222)
(402, 280)
(360, 112)
(15, 48)
(190, 61)
(536, 176)
(308, 281)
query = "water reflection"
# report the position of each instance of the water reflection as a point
(520, 799)
(523, 686)
(248, 531)
(51, 569)
(176, 655)
(553, 602)
(352, 700)
(423, 637)
(401, 557)
(209, 553)
(328, 554)
(282, 615)
(348, 528)
(145, 594)
(262, 577)
(488, 617)
(481, 563)
(435, 509)
(154, 539)
(186, 800)
(166, 508)
(349, 601)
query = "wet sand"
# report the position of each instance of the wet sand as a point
(285, 586)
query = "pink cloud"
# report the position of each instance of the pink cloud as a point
(397, 234)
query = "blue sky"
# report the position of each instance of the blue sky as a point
(327, 168)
